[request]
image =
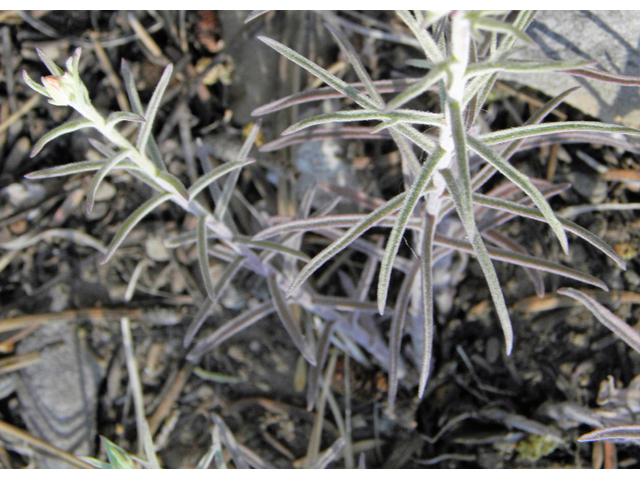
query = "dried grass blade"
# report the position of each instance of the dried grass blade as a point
(289, 322)
(230, 442)
(619, 432)
(393, 244)
(132, 221)
(229, 329)
(313, 384)
(330, 454)
(606, 317)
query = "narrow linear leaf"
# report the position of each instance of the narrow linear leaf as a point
(207, 307)
(606, 317)
(233, 326)
(411, 165)
(535, 214)
(391, 250)
(55, 70)
(328, 93)
(418, 88)
(406, 116)
(606, 76)
(524, 183)
(35, 86)
(427, 43)
(420, 139)
(523, 260)
(619, 432)
(351, 235)
(493, 25)
(118, 458)
(152, 108)
(528, 131)
(307, 351)
(321, 73)
(356, 63)
(482, 255)
(340, 132)
(130, 87)
(68, 127)
(255, 14)
(275, 247)
(132, 221)
(426, 273)
(313, 381)
(397, 326)
(203, 256)
(483, 68)
(232, 179)
(71, 168)
(204, 181)
(173, 181)
(102, 173)
(114, 118)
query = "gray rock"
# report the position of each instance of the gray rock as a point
(611, 38)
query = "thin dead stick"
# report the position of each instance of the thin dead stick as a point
(16, 362)
(41, 445)
(165, 406)
(95, 314)
(134, 380)
(121, 97)
(28, 105)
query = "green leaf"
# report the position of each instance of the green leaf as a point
(406, 116)
(356, 63)
(204, 181)
(493, 25)
(35, 86)
(55, 70)
(68, 127)
(71, 168)
(118, 458)
(152, 108)
(116, 117)
(427, 42)
(397, 326)
(436, 74)
(133, 220)
(606, 317)
(524, 131)
(321, 73)
(605, 76)
(289, 322)
(275, 247)
(525, 66)
(535, 214)
(174, 183)
(482, 255)
(413, 195)
(426, 272)
(232, 180)
(102, 173)
(524, 183)
(95, 462)
(343, 242)
(203, 257)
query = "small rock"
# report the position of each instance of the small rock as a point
(156, 250)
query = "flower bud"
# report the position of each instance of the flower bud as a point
(61, 89)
